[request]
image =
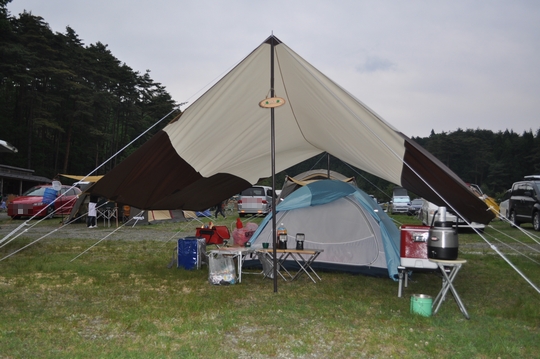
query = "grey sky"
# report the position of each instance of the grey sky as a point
(421, 65)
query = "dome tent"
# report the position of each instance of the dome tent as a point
(352, 229)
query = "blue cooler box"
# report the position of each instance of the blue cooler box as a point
(190, 252)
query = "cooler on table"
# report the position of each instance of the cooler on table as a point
(191, 252)
(413, 251)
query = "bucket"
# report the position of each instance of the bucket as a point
(421, 304)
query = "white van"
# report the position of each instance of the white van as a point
(255, 200)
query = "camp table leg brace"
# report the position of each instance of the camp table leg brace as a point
(447, 284)
(298, 256)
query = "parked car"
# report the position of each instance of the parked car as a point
(504, 209)
(415, 207)
(255, 200)
(524, 203)
(430, 209)
(31, 202)
(400, 201)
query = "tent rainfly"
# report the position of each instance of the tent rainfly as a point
(293, 183)
(171, 172)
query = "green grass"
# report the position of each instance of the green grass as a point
(120, 301)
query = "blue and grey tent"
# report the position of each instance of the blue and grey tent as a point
(352, 229)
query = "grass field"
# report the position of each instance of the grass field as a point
(119, 300)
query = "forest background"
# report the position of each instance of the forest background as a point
(68, 107)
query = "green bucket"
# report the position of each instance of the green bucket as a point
(421, 304)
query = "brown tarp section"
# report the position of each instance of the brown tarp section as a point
(425, 175)
(154, 177)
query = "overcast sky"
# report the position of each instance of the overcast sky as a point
(421, 65)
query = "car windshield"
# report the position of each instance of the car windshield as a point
(253, 191)
(417, 202)
(35, 191)
(401, 199)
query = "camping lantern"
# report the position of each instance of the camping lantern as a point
(300, 241)
(282, 241)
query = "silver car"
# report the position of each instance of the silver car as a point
(255, 200)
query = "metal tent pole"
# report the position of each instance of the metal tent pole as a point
(273, 151)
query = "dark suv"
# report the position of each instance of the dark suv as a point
(524, 203)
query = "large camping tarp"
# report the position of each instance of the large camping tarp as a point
(170, 171)
(346, 223)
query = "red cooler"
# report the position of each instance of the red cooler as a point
(413, 252)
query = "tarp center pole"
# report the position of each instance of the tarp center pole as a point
(273, 155)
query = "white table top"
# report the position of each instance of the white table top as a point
(231, 250)
(448, 261)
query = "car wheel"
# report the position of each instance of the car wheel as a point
(536, 221)
(513, 219)
(50, 212)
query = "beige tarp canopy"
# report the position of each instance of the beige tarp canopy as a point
(221, 143)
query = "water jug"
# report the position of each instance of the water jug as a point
(443, 238)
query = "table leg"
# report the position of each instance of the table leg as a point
(280, 261)
(305, 265)
(239, 260)
(401, 270)
(447, 285)
(270, 259)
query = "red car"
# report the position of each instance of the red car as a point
(31, 202)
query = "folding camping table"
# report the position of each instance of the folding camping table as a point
(238, 253)
(303, 257)
(108, 212)
(447, 281)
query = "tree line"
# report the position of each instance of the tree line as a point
(493, 160)
(67, 106)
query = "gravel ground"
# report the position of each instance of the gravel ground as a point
(53, 228)
(171, 231)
